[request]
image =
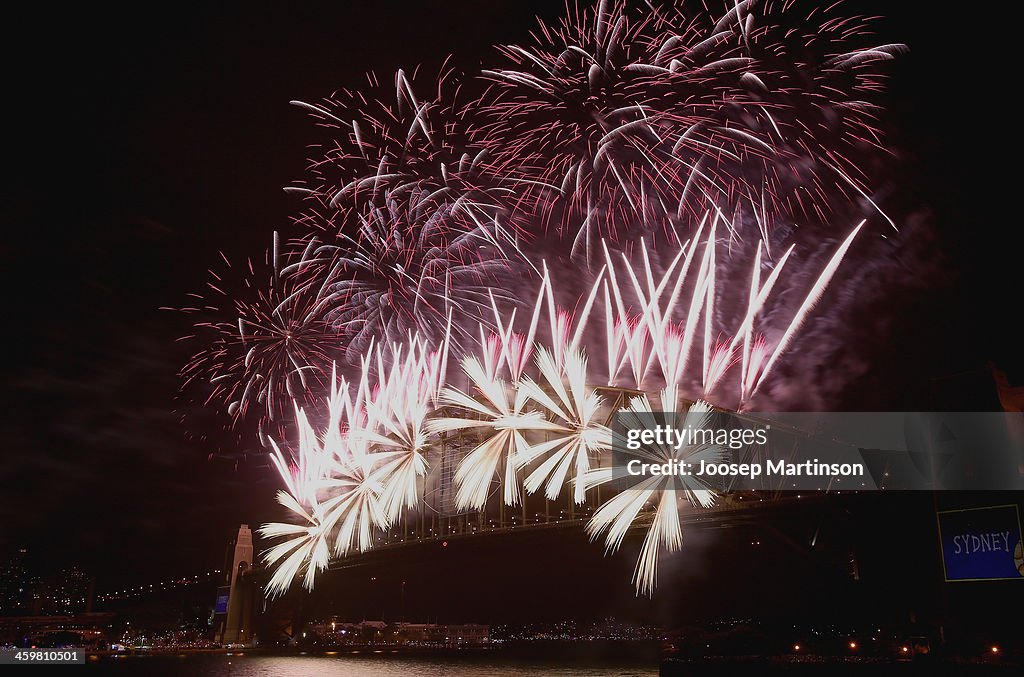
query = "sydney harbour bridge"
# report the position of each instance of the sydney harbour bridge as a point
(438, 519)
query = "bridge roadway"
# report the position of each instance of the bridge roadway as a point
(731, 510)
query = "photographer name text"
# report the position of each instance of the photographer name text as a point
(770, 468)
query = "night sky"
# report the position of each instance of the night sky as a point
(140, 142)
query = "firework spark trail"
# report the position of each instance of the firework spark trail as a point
(812, 298)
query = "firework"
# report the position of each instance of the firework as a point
(396, 408)
(401, 221)
(618, 515)
(578, 434)
(569, 118)
(362, 470)
(621, 123)
(544, 428)
(379, 139)
(334, 492)
(502, 414)
(617, 205)
(274, 348)
(415, 261)
(399, 160)
(541, 429)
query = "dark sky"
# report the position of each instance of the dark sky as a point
(139, 142)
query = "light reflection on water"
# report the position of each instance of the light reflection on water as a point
(371, 665)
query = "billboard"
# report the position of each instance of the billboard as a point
(981, 544)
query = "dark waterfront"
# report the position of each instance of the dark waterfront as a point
(590, 659)
(568, 660)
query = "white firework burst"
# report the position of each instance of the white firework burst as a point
(500, 412)
(396, 410)
(334, 489)
(666, 492)
(564, 395)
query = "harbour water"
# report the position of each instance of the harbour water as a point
(574, 662)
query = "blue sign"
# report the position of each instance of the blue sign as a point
(982, 544)
(223, 593)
